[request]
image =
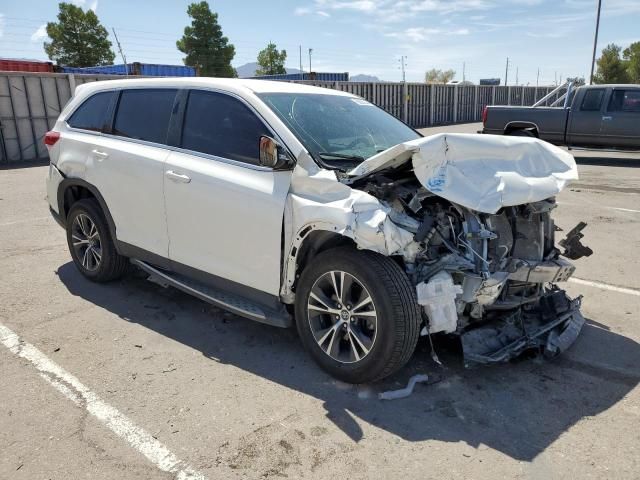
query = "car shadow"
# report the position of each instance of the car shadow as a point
(518, 409)
(607, 161)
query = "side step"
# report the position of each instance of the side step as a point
(232, 303)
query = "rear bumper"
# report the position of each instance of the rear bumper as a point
(56, 216)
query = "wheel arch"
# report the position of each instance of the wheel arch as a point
(308, 242)
(522, 125)
(71, 190)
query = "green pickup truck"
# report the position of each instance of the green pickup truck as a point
(594, 116)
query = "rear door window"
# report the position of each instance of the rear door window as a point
(592, 99)
(144, 114)
(220, 125)
(92, 114)
(625, 101)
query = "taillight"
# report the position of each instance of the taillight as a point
(50, 138)
(484, 115)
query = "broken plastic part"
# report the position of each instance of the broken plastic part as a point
(438, 298)
(573, 249)
(406, 391)
(552, 328)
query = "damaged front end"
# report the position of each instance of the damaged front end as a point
(489, 276)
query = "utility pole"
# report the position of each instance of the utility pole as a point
(517, 76)
(124, 59)
(595, 43)
(402, 67)
(310, 50)
(506, 72)
(300, 58)
(538, 77)
(464, 65)
(555, 78)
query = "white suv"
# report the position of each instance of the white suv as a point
(287, 203)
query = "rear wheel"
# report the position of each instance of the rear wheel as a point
(90, 244)
(357, 314)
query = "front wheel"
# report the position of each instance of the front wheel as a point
(357, 314)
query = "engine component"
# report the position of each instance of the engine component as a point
(437, 297)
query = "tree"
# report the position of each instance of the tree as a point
(631, 56)
(611, 68)
(205, 46)
(78, 39)
(270, 61)
(439, 76)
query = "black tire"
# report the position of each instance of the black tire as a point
(394, 299)
(522, 133)
(111, 265)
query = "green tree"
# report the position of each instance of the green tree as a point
(270, 61)
(205, 46)
(78, 39)
(439, 76)
(611, 68)
(631, 56)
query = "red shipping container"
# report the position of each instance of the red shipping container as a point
(8, 65)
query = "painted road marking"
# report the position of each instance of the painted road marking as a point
(624, 209)
(79, 394)
(606, 286)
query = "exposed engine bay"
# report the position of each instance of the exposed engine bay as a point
(490, 278)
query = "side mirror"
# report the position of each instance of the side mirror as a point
(272, 155)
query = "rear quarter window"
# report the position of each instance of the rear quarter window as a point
(592, 100)
(92, 113)
(144, 114)
(625, 101)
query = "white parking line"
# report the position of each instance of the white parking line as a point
(606, 286)
(74, 390)
(624, 209)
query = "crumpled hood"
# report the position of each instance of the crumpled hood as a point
(481, 172)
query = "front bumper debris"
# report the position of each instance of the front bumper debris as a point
(551, 328)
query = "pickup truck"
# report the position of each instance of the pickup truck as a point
(594, 116)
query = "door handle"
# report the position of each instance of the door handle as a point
(99, 154)
(607, 119)
(177, 177)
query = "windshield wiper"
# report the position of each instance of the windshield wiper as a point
(339, 156)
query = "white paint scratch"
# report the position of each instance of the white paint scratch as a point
(606, 286)
(79, 394)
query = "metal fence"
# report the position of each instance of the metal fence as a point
(31, 102)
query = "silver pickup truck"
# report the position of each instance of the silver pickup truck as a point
(594, 116)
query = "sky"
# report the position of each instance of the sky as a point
(361, 36)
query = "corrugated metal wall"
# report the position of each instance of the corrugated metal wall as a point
(31, 102)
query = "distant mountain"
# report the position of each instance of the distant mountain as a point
(249, 70)
(363, 78)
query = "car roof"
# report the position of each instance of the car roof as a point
(612, 85)
(238, 86)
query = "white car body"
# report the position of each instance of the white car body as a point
(247, 223)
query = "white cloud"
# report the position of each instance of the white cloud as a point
(322, 13)
(94, 6)
(419, 34)
(302, 11)
(1, 24)
(40, 34)
(79, 3)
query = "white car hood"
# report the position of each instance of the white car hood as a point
(481, 172)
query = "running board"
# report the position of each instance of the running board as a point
(232, 303)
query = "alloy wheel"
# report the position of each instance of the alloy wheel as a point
(86, 242)
(342, 316)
